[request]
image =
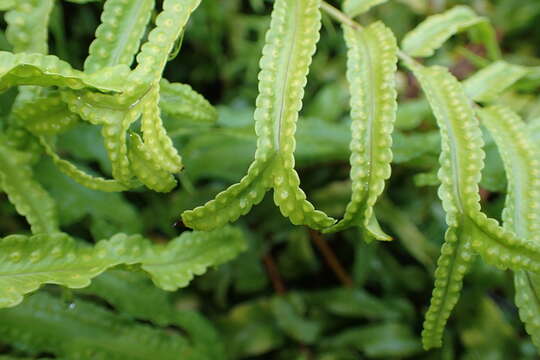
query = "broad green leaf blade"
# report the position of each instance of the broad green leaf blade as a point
(489, 83)
(146, 169)
(436, 29)
(29, 198)
(83, 330)
(27, 27)
(118, 37)
(28, 262)
(354, 8)
(181, 101)
(371, 72)
(522, 209)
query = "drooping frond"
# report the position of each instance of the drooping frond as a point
(371, 73)
(159, 145)
(290, 44)
(461, 165)
(521, 158)
(145, 168)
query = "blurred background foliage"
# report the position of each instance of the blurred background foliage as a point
(293, 294)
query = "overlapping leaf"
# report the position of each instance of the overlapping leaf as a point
(28, 262)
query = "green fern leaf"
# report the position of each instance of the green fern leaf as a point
(48, 70)
(28, 23)
(118, 37)
(29, 198)
(28, 262)
(181, 101)
(145, 168)
(522, 210)
(461, 163)
(158, 144)
(371, 74)
(45, 115)
(487, 84)
(154, 53)
(354, 8)
(436, 29)
(91, 182)
(290, 44)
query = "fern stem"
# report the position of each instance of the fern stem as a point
(331, 259)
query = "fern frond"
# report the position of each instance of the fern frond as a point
(115, 113)
(159, 145)
(91, 182)
(44, 115)
(27, 29)
(29, 198)
(118, 37)
(487, 84)
(371, 74)
(146, 169)
(454, 261)
(429, 35)
(354, 8)
(181, 101)
(235, 201)
(522, 209)
(154, 54)
(48, 70)
(290, 44)
(28, 262)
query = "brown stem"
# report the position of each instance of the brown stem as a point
(331, 259)
(273, 273)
